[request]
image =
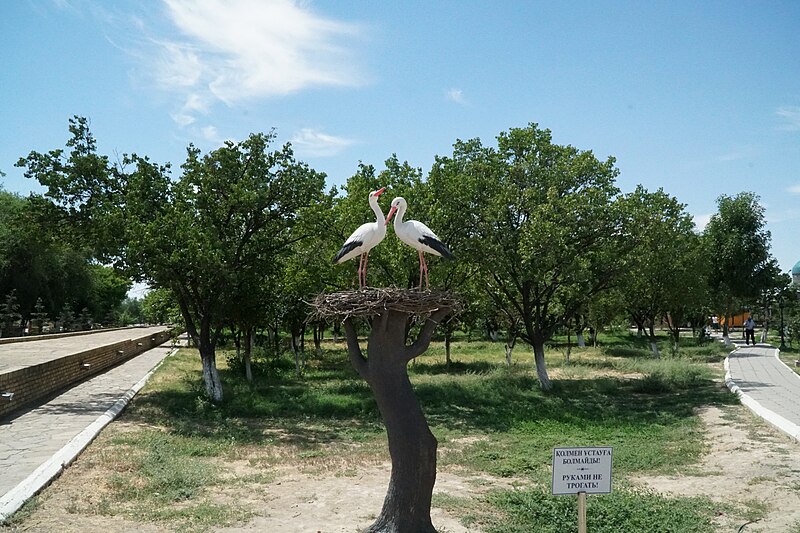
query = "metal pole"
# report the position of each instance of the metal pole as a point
(581, 512)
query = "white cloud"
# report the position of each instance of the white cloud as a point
(794, 189)
(456, 95)
(211, 134)
(178, 66)
(315, 143)
(233, 51)
(182, 119)
(701, 221)
(739, 154)
(790, 115)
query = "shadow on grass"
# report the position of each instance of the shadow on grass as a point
(332, 403)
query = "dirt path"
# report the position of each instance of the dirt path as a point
(749, 464)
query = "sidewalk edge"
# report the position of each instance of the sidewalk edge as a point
(15, 498)
(788, 427)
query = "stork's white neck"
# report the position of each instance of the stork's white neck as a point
(398, 216)
(373, 203)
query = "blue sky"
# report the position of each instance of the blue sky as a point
(700, 98)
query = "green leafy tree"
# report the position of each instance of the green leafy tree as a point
(159, 307)
(660, 265)
(230, 213)
(10, 315)
(108, 289)
(547, 232)
(740, 245)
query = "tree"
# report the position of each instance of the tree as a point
(546, 231)
(159, 307)
(202, 236)
(37, 263)
(412, 446)
(660, 265)
(740, 245)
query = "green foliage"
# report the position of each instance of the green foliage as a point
(159, 307)
(532, 510)
(742, 266)
(667, 266)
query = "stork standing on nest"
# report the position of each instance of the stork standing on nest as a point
(418, 236)
(364, 239)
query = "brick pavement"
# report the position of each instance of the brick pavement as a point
(36, 444)
(765, 385)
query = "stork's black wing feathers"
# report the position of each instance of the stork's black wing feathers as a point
(437, 245)
(346, 249)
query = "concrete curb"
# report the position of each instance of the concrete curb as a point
(11, 501)
(778, 356)
(788, 427)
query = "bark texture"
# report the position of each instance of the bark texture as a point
(412, 446)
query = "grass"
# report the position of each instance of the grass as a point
(175, 459)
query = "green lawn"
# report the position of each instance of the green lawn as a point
(488, 419)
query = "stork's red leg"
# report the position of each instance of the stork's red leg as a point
(366, 260)
(421, 267)
(361, 271)
(425, 268)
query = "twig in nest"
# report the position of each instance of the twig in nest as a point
(373, 302)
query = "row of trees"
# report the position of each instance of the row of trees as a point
(47, 276)
(544, 238)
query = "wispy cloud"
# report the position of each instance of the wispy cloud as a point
(794, 189)
(238, 50)
(314, 143)
(456, 95)
(790, 117)
(739, 154)
(235, 51)
(211, 135)
(701, 221)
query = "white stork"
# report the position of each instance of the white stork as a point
(363, 239)
(417, 235)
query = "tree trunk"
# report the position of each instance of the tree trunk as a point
(653, 344)
(580, 340)
(318, 329)
(511, 341)
(447, 337)
(336, 330)
(569, 346)
(541, 367)
(412, 446)
(296, 350)
(210, 373)
(248, 353)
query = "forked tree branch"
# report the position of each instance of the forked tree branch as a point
(424, 339)
(357, 359)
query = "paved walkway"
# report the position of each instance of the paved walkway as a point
(38, 444)
(765, 385)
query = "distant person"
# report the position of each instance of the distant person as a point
(715, 323)
(750, 331)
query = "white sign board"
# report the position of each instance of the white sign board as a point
(582, 470)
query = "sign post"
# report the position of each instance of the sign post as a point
(582, 471)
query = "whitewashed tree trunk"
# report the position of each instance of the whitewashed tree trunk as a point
(580, 340)
(298, 367)
(654, 349)
(541, 367)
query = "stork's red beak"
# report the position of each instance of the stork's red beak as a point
(389, 216)
(380, 191)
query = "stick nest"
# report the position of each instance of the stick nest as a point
(372, 302)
